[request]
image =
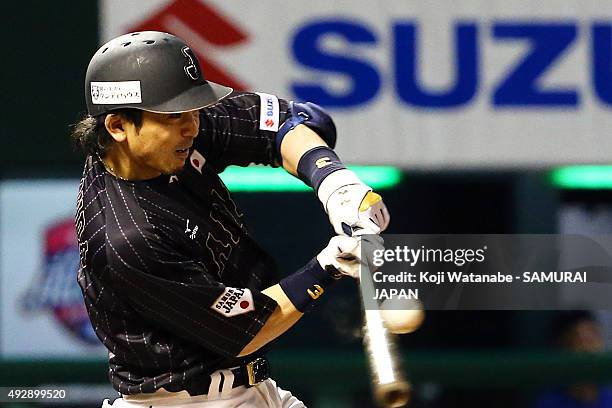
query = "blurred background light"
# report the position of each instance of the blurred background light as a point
(256, 178)
(591, 177)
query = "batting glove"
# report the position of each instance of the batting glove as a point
(353, 208)
(347, 255)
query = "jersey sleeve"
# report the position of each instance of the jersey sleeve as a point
(241, 129)
(176, 294)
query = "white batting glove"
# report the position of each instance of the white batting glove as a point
(347, 255)
(353, 208)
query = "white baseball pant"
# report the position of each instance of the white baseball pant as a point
(266, 394)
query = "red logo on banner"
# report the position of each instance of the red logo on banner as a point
(55, 288)
(269, 122)
(201, 27)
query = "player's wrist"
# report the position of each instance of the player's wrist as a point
(317, 164)
(307, 284)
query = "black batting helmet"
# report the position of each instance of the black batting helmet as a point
(151, 71)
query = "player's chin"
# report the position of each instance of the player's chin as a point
(175, 167)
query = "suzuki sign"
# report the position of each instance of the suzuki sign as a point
(472, 84)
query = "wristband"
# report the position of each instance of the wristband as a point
(316, 164)
(307, 285)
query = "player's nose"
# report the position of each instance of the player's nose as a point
(191, 124)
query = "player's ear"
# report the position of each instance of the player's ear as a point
(115, 125)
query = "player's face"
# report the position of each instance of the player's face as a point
(161, 145)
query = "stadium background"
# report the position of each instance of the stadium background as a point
(457, 359)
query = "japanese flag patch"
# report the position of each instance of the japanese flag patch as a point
(197, 160)
(234, 301)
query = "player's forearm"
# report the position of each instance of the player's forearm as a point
(285, 316)
(297, 142)
(306, 155)
(298, 292)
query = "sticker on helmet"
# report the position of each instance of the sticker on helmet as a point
(114, 93)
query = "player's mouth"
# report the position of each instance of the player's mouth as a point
(183, 152)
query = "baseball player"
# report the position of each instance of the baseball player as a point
(175, 287)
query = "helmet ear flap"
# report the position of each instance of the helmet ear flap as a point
(149, 70)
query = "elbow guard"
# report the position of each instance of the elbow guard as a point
(311, 115)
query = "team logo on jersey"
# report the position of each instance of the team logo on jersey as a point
(268, 112)
(191, 232)
(197, 160)
(234, 301)
(55, 289)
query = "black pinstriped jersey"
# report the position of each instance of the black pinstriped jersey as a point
(169, 274)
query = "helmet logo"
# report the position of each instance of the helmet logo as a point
(190, 67)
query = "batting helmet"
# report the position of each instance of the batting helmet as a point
(151, 71)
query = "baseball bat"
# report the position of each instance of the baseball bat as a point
(389, 385)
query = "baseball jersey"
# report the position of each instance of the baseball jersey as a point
(170, 276)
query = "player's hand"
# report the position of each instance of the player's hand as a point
(346, 255)
(355, 210)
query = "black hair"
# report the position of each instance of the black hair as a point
(90, 134)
